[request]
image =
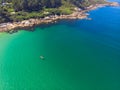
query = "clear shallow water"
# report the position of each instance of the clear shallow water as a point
(79, 55)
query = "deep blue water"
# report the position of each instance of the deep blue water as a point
(79, 55)
(114, 0)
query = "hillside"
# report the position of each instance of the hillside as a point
(17, 10)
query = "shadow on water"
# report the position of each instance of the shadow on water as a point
(67, 22)
(70, 23)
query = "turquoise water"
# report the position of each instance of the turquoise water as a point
(79, 55)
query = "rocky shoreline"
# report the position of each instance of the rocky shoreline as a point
(77, 14)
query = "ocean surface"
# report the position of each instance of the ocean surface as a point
(78, 55)
(114, 1)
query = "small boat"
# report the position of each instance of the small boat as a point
(42, 57)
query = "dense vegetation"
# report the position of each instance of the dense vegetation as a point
(16, 10)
